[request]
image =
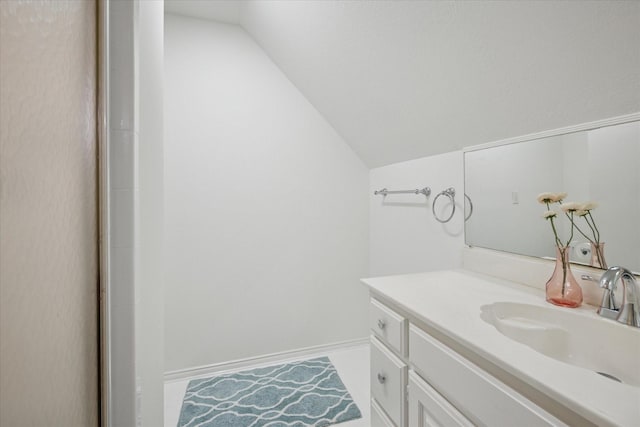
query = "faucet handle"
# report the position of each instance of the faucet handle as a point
(609, 308)
(608, 281)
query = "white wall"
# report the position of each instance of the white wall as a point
(404, 236)
(135, 223)
(266, 207)
(149, 276)
(120, 223)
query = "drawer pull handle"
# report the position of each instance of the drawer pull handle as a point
(381, 324)
(382, 378)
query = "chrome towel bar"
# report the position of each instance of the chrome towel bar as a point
(426, 191)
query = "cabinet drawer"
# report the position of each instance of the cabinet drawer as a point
(388, 326)
(388, 382)
(478, 395)
(428, 408)
(378, 417)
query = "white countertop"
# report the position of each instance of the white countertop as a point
(449, 301)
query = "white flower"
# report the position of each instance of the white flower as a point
(550, 214)
(587, 206)
(551, 197)
(581, 212)
(547, 198)
(571, 207)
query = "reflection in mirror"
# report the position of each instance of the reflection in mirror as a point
(600, 165)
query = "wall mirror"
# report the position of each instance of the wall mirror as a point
(599, 164)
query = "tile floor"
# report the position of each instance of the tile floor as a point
(351, 363)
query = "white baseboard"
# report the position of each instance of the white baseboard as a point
(264, 360)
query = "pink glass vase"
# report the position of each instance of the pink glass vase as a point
(562, 288)
(597, 256)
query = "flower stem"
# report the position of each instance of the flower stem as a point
(572, 227)
(596, 232)
(555, 233)
(553, 227)
(578, 228)
(564, 268)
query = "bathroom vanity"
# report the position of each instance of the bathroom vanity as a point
(461, 348)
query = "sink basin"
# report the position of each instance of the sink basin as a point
(599, 345)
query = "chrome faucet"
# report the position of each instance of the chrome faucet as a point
(629, 311)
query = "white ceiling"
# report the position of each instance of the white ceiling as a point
(401, 80)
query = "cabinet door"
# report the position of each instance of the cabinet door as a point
(378, 417)
(427, 408)
(388, 382)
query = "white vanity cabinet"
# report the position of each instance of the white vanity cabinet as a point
(417, 381)
(428, 408)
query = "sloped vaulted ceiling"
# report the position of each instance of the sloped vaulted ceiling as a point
(401, 80)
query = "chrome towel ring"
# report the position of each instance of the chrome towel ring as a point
(451, 194)
(466, 218)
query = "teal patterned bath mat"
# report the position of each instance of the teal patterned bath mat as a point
(298, 394)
